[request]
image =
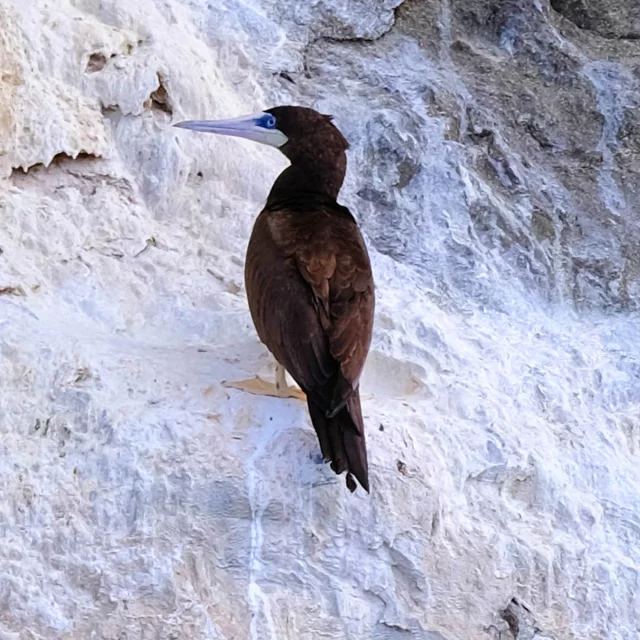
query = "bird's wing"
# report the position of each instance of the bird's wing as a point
(324, 326)
(336, 266)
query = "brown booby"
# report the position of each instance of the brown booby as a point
(308, 279)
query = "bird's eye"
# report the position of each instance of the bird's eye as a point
(270, 122)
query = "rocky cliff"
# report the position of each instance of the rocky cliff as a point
(494, 165)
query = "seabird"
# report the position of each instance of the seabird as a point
(308, 279)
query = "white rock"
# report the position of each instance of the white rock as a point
(142, 499)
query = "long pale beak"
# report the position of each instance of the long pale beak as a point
(251, 127)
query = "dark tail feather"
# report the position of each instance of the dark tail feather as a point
(342, 440)
(354, 441)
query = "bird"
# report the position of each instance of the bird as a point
(308, 279)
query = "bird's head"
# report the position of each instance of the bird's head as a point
(299, 132)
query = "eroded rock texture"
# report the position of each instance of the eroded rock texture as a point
(494, 169)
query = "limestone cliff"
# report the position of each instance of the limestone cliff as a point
(494, 165)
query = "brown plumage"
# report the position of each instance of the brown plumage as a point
(310, 287)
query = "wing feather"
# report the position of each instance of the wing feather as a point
(311, 296)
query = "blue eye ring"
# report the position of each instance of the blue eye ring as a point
(269, 121)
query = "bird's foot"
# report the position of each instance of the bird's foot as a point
(260, 387)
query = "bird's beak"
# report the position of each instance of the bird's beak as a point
(250, 127)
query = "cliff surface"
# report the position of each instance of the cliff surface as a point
(494, 165)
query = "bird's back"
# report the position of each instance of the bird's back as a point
(311, 295)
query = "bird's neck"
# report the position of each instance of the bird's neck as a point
(309, 179)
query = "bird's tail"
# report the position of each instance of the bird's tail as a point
(342, 440)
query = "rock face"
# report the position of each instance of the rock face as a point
(494, 167)
(617, 20)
